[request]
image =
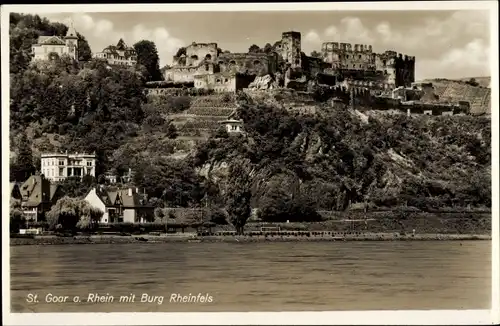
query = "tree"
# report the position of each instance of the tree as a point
(268, 48)
(472, 82)
(254, 49)
(23, 166)
(175, 182)
(64, 213)
(181, 51)
(238, 198)
(84, 52)
(76, 187)
(171, 130)
(147, 55)
(71, 213)
(17, 220)
(89, 216)
(316, 54)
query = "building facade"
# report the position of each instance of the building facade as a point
(124, 205)
(53, 47)
(119, 55)
(58, 166)
(37, 197)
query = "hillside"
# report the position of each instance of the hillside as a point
(482, 81)
(285, 161)
(454, 91)
(339, 157)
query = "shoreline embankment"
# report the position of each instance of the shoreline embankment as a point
(187, 238)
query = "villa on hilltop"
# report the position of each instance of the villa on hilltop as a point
(120, 54)
(59, 166)
(53, 47)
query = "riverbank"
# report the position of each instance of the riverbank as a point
(189, 238)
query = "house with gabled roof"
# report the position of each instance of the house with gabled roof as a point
(120, 54)
(53, 47)
(122, 205)
(37, 197)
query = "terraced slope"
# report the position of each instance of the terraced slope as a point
(203, 116)
(454, 91)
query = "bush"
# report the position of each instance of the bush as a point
(218, 217)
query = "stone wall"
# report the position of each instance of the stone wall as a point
(219, 82)
(198, 52)
(259, 64)
(291, 48)
(345, 56)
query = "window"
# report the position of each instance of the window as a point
(360, 56)
(226, 80)
(61, 172)
(61, 162)
(89, 163)
(347, 56)
(234, 127)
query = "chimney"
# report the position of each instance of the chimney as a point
(130, 192)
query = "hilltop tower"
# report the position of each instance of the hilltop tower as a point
(291, 48)
(71, 40)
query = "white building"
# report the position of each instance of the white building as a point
(233, 125)
(120, 54)
(57, 167)
(123, 205)
(53, 47)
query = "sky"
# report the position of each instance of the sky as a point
(446, 44)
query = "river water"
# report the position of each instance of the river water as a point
(282, 276)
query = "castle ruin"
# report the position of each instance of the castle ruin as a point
(205, 66)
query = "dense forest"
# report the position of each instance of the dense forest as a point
(288, 165)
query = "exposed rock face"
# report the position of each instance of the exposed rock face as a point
(264, 82)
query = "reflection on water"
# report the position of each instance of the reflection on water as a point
(256, 276)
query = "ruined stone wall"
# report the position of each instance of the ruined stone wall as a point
(313, 66)
(197, 52)
(219, 82)
(259, 64)
(181, 74)
(399, 69)
(291, 48)
(346, 56)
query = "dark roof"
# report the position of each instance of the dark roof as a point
(121, 197)
(50, 40)
(35, 191)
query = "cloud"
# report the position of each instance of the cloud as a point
(312, 37)
(440, 45)
(471, 60)
(102, 32)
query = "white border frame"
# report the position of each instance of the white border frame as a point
(435, 317)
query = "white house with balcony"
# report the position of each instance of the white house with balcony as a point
(59, 166)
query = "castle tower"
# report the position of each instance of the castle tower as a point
(291, 48)
(71, 39)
